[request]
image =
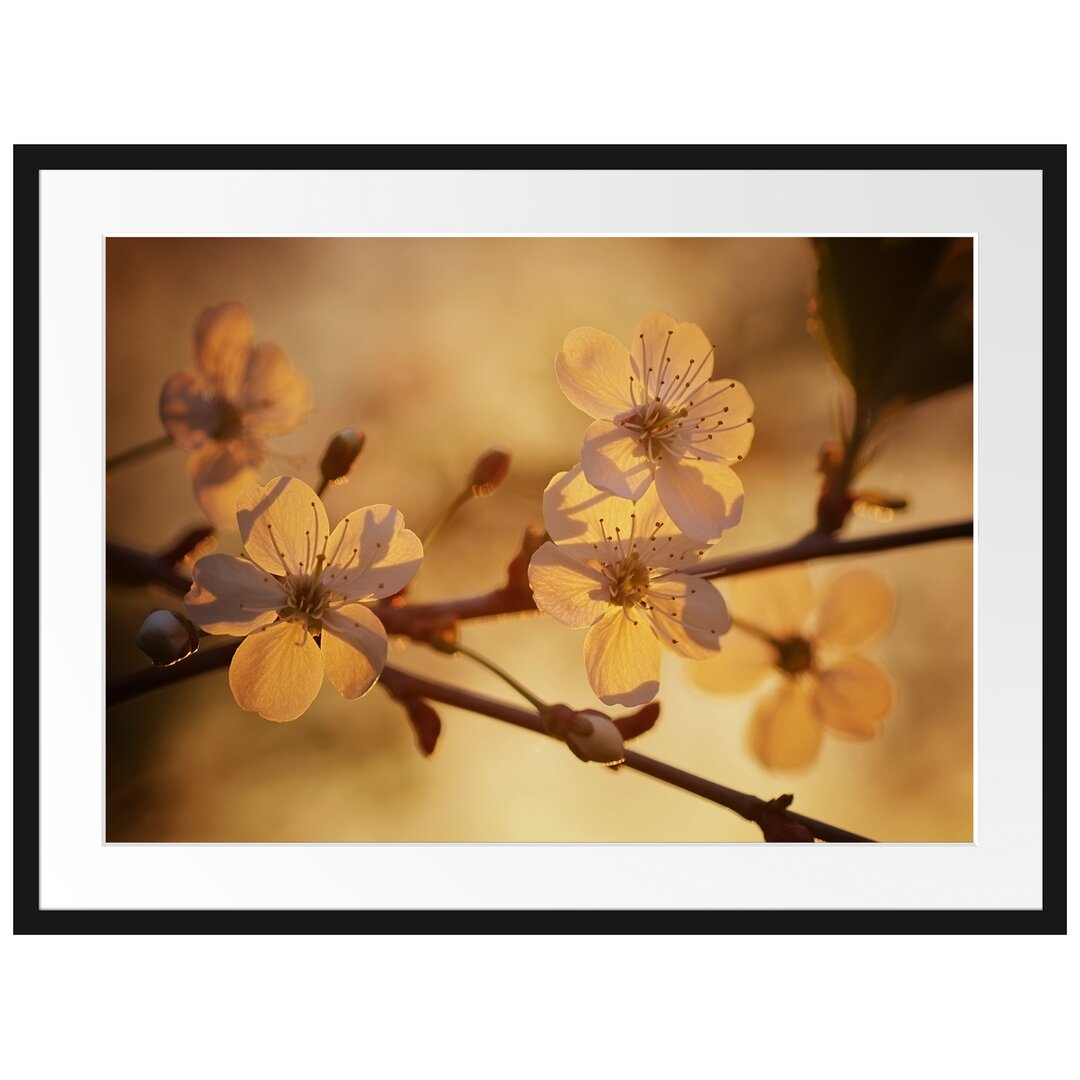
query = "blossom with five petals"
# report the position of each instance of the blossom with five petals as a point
(239, 394)
(616, 567)
(780, 626)
(660, 416)
(301, 582)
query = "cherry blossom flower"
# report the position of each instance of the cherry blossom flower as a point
(616, 566)
(780, 626)
(299, 596)
(239, 395)
(660, 416)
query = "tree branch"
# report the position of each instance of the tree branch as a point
(421, 621)
(823, 546)
(402, 684)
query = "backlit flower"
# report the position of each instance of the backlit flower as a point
(616, 566)
(240, 394)
(660, 416)
(780, 627)
(299, 596)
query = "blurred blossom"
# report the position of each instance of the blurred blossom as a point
(615, 567)
(780, 625)
(240, 394)
(660, 418)
(301, 581)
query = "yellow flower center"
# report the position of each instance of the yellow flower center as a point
(663, 401)
(628, 581)
(653, 425)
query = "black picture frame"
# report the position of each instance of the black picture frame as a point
(31, 160)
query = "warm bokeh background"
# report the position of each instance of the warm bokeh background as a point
(437, 349)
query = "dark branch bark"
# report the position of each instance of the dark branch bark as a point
(421, 621)
(823, 546)
(402, 684)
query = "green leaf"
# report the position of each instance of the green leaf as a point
(896, 314)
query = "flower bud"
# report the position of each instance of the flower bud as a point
(490, 471)
(834, 502)
(879, 505)
(341, 452)
(425, 722)
(635, 724)
(517, 573)
(167, 637)
(601, 743)
(831, 458)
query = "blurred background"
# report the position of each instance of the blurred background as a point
(438, 348)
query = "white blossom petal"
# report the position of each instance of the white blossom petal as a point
(716, 440)
(283, 525)
(224, 338)
(689, 615)
(613, 460)
(593, 370)
(276, 671)
(853, 696)
(703, 497)
(232, 596)
(722, 399)
(371, 554)
(681, 347)
(583, 520)
(187, 410)
(856, 608)
(274, 397)
(786, 732)
(743, 661)
(353, 649)
(566, 589)
(777, 601)
(622, 659)
(220, 473)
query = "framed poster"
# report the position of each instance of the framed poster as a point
(496, 530)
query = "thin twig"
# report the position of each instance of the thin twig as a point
(822, 546)
(134, 453)
(402, 684)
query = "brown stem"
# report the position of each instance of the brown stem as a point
(130, 566)
(421, 621)
(134, 453)
(819, 546)
(402, 684)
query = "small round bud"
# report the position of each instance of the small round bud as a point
(602, 743)
(341, 452)
(167, 637)
(490, 471)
